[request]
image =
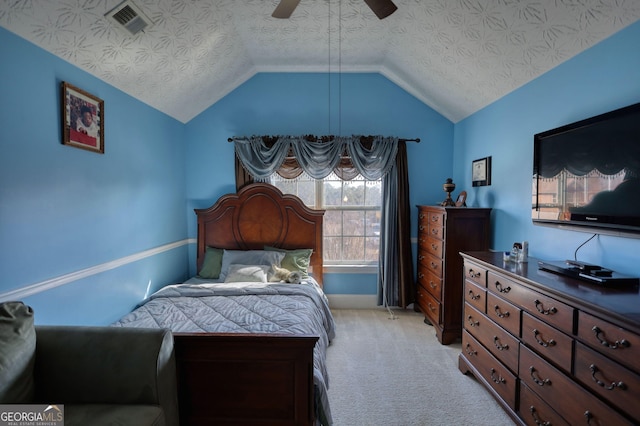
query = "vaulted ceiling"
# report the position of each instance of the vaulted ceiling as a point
(456, 56)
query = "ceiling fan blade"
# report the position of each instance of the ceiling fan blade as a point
(285, 8)
(382, 8)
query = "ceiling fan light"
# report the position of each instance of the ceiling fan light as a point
(382, 8)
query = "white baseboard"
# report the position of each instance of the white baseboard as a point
(353, 301)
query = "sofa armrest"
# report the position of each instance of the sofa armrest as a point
(106, 365)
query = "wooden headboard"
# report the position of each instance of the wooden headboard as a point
(258, 215)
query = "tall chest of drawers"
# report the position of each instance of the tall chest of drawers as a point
(442, 233)
(551, 349)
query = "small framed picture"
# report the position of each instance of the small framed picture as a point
(82, 119)
(461, 201)
(481, 172)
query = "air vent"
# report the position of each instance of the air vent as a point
(129, 18)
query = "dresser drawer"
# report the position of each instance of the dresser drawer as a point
(429, 306)
(475, 273)
(475, 295)
(503, 313)
(535, 412)
(434, 246)
(547, 341)
(498, 341)
(615, 342)
(491, 371)
(563, 394)
(616, 384)
(430, 282)
(434, 265)
(432, 219)
(556, 313)
(422, 245)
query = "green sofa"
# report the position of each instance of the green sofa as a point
(101, 375)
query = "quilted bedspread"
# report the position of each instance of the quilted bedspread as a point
(245, 308)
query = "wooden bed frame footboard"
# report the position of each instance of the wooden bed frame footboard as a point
(261, 379)
(251, 379)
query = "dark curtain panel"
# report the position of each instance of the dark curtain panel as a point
(242, 175)
(396, 286)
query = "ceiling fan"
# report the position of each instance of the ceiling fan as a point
(382, 8)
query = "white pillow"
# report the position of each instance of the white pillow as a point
(238, 273)
(249, 257)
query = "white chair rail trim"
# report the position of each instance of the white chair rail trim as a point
(32, 289)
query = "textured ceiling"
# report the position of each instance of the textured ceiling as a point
(456, 56)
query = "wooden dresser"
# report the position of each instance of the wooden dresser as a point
(442, 233)
(551, 349)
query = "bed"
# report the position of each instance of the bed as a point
(249, 352)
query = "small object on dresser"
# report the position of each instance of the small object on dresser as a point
(448, 187)
(506, 256)
(461, 201)
(523, 255)
(515, 252)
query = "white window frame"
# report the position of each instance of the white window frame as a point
(340, 266)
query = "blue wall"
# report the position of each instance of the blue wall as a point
(298, 103)
(64, 209)
(601, 79)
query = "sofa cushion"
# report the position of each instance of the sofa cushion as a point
(113, 414)
(17, 353)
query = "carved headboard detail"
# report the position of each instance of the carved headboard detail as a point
(258, 215)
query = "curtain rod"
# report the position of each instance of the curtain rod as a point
(416, 140)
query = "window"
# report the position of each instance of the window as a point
(352, 218)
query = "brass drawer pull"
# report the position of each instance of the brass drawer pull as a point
(434, 246)
(547, 344)
(431, 308)
(539, 306)
(432, 285)
(473, 323)
(536, 378)
(470, 351)
(473, 296)
(536, 419)
(434, 265)
(499, 287)
(496, 342)
(499, 313)
(421, 227)
(474, 274)
(497, 380)
(420, 257)
(618, 344)
(420, 275)
(613, 385)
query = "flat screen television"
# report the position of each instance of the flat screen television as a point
(586, 175)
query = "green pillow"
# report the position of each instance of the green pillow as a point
(212, 263)
(295, 260)
(17, 353)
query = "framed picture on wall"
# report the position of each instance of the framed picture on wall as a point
(82, 119)
(481, 172)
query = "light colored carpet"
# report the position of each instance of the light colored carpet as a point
(396, 373)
